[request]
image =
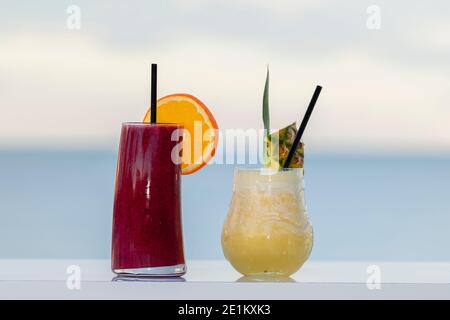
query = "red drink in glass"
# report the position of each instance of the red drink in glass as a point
(147, 233)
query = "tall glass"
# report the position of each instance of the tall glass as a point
(267, 230)
(147, 234)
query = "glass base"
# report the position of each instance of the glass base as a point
(166, 271)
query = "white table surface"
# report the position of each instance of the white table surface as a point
(210, 279)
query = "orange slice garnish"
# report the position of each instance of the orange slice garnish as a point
(200, 137)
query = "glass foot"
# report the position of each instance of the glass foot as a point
(166, 271)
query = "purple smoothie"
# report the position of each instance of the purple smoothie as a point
(147, 230)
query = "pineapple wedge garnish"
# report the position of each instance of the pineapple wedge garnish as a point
(278, 145)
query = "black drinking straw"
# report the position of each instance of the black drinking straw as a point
(153, 94)
(300, 131)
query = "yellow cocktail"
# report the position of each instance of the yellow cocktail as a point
(267, 230)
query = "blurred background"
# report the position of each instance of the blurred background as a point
(377, 147)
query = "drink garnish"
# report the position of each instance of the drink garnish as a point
(277, 144)
(201, 134)
(266, 121)
(282, 141)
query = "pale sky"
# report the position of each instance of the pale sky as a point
(386, 89)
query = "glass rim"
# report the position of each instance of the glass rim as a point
(269, 172)
(245, 178)
(151, 124)
(262, 169)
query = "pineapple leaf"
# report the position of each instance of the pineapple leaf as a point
(266, 121)
(266, 117)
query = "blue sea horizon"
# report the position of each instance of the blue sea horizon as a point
(58, 204)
